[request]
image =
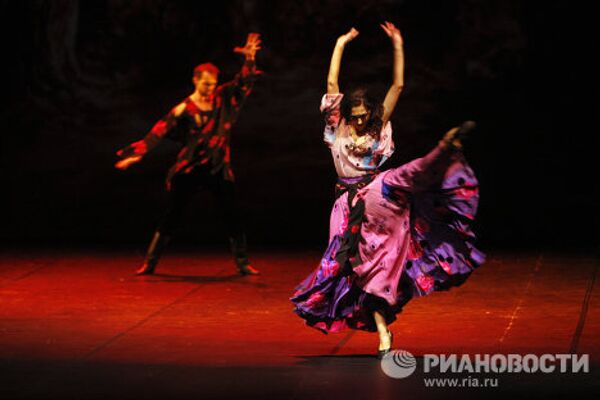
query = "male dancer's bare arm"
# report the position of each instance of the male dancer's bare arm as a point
(391, 98)
(336, 60)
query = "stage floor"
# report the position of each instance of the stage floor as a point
(80, 325)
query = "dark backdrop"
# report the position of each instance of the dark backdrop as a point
(85, 78)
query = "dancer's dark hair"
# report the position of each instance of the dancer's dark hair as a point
(360, 96)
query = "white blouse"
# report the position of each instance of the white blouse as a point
(352, 157)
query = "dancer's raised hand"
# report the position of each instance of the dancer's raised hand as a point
(347, 37)
(252, 46)
(392, 32)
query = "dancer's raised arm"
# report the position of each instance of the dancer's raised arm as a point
(336, 59)
(391, 98)
(237, 90)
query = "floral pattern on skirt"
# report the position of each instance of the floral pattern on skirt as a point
(415, 238)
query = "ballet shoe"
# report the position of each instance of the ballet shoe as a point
(382, 353)
(455, 136)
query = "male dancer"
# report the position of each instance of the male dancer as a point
(201, 124)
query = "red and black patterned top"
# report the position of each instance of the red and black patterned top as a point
(204, 140)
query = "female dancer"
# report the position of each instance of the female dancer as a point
(394, 235)
(362, 140)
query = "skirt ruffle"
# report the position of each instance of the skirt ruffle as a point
(442, 252)
(441, 256)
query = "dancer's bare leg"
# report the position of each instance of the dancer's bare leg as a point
(385, 336)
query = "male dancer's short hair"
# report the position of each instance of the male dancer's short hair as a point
(208, 67)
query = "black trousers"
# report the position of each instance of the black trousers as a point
(183, 189)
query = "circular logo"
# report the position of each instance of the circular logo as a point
(398, 364)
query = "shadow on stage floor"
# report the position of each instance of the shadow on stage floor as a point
(81, 325)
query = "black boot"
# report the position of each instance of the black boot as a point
(157, 245)
(239, 249)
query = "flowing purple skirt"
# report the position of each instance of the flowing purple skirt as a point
(414, 238)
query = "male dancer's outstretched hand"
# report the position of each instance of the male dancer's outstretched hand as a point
(127, 162)
(251, 47)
